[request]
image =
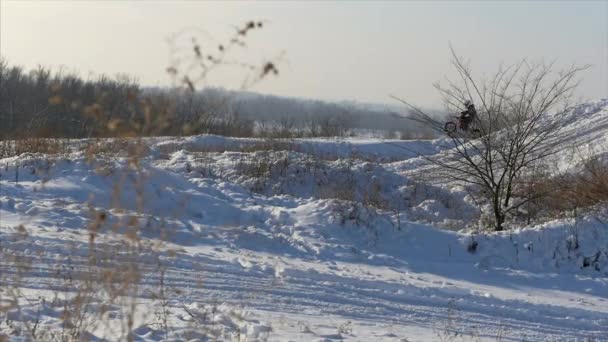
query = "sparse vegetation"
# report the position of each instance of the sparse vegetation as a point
(516, 133)
(202, 214)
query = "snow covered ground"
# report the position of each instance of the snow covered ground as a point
(238, 239)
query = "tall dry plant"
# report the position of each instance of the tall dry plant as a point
(99, 286)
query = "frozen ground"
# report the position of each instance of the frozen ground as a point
(262, 245)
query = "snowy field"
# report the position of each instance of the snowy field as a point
(214, 238)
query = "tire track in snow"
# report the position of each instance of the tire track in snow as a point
(204, 278)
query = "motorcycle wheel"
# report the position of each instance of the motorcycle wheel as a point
(450, 127)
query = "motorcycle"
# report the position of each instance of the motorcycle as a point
(457, 123)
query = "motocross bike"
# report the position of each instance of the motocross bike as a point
(456, 124)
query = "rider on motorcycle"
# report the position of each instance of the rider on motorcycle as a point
(468, 115)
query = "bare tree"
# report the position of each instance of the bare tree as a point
(521, 111)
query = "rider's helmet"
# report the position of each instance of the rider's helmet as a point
(467, 103)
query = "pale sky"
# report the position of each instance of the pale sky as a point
(338, 50)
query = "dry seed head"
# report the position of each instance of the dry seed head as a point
(22, 231)
(172, 70)
(132, 221)
(131, 234)
(113, 124)
(101, 216)
(55, 100)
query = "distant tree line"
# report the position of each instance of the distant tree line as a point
(43, 103)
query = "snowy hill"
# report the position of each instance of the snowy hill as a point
(261, 240)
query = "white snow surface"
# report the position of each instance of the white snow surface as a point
(282, 258)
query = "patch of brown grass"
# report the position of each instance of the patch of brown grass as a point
(556, 196)
(10, 148)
